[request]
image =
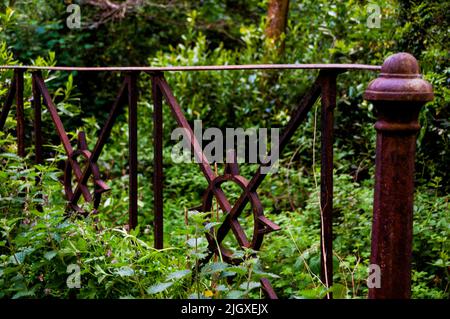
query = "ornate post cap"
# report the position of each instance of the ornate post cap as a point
(399, 80)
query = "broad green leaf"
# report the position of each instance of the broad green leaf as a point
(100, 270)
(10, 155)
(213, 268)
(124, 271)
(208, 226)
(339, 291)
(250, 285)
(23, 293)
(240, 270)
(264, 274)
(178, 274)
(158, 288)
(221, 288)
(195, 241)
(50, 254)
(235, 294)
(19, 257)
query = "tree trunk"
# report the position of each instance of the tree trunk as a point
(277, 15)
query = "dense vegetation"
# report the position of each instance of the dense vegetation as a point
(37, 245)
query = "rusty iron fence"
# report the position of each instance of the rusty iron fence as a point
(397, 94)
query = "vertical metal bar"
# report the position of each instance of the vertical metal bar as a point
(326, 178)
(132, 149)
(20, 113)
(8, 103)
(37, 120)
(158, 165)
(398, 95)
(37, 105)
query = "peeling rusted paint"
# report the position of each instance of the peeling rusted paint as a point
(397, 94)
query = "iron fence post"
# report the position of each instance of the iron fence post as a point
(328, 92)
(18, 74)
(158, 175)
(37, 105)
(132, 78)
(398, 95)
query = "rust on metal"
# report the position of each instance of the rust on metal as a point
(104, 135)
(261, 224)
(215, 182)
(99, 185)
(72, 164)
(325, 83)
(189, 68)
(53, 113)
(268, 289)
(37, 105)
(158, 177)
(328, 93)
(182, 122)
(397, 94)
(20, 117)
(37, 131)
(62, 135)
(299, 115)
(132, 149)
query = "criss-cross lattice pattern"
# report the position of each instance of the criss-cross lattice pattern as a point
(81, 164)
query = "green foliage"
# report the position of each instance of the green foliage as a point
(36, 246)
(38, 241)
(423, 33)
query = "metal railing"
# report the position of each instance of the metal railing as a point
(398, 94)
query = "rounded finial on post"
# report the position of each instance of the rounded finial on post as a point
(399, 80)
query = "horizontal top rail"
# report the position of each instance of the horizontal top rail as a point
(200, 68)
